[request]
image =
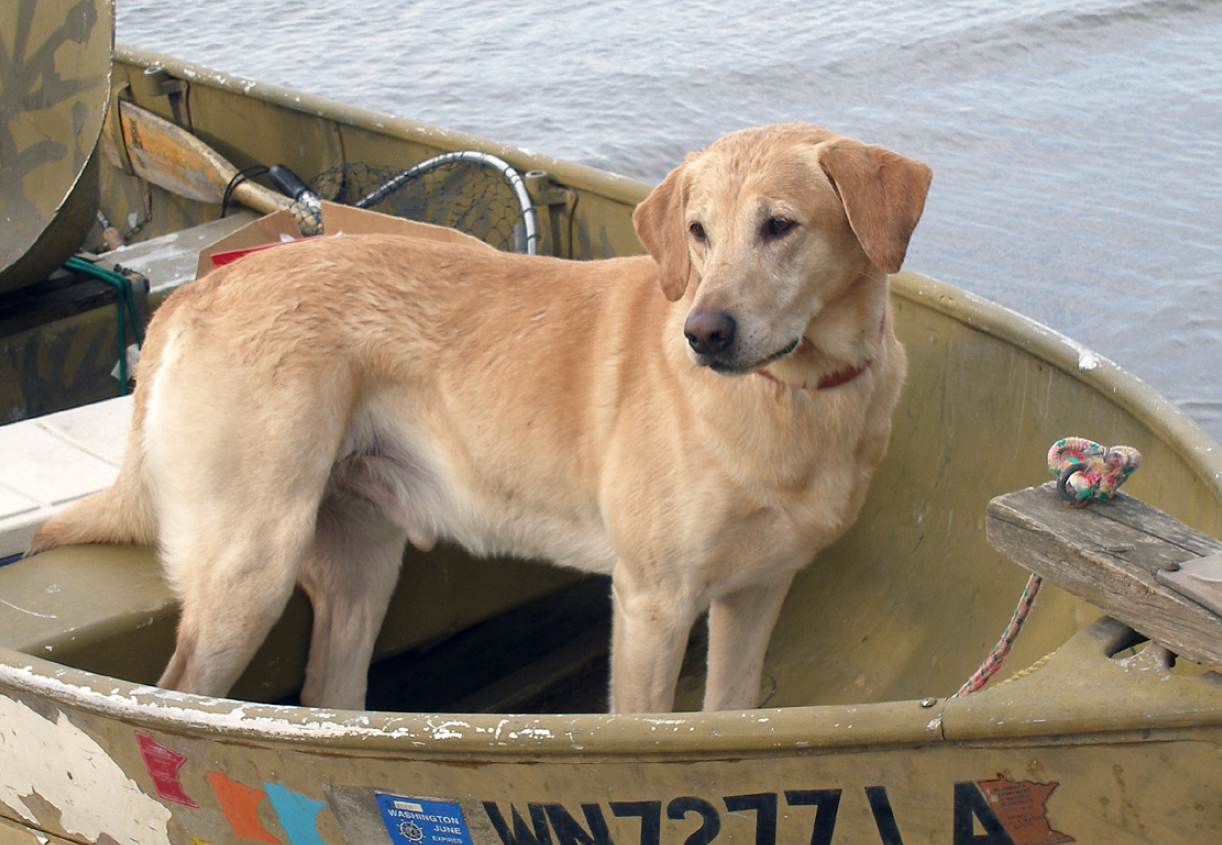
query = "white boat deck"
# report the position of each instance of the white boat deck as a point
(47, 462)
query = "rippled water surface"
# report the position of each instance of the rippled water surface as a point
(1077, 146)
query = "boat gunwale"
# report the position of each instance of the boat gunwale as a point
(505, 738)
(481, 735)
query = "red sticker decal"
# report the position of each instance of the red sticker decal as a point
(163, 765)
(220, 259)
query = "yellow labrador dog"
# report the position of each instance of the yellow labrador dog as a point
(697, 422)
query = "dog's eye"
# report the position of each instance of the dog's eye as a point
(697, 231)
(778, 227)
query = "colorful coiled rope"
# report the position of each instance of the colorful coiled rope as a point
(1087, 471)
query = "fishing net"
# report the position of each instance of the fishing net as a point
(470, 191)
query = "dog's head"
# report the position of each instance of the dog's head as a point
(771, 225)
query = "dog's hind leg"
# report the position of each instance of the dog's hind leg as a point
(234, 577)
(349, 574)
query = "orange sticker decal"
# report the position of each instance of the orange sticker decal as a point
(240, 804)
(1021, 808)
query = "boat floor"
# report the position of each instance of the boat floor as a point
(547, 656)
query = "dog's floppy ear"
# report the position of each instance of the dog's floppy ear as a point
(883, 195)
(659, 225)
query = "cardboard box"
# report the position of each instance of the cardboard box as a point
(280, 227)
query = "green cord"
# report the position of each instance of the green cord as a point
(126, 308)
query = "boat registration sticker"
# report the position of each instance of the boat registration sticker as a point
(422, 821)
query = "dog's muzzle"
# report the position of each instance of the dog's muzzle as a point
(714, 339)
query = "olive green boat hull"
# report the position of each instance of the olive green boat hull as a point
(858, 741)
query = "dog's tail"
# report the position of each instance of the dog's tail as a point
(122, 513)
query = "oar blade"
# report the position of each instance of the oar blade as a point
(172, 158)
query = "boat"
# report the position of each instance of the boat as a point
(485, 723)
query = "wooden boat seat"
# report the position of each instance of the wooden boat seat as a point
(1139, 565)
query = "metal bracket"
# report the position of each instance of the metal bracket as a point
(555, 203)
(1199, 579)
(159, 82)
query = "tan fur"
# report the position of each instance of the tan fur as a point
(302, 412)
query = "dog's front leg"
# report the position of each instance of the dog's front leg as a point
(740, 625)
(650, 627)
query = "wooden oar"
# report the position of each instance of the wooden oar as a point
(169, 156)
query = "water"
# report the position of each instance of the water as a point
(1077, 146)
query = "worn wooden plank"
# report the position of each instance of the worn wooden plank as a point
(1110, 554)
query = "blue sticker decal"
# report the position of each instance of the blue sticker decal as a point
(418, 821)
(297, 813)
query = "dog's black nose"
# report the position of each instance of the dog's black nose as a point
(709, 332)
